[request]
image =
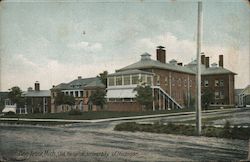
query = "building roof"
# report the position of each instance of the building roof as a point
(80, 84)
(210, 70)
(40, 93)
(149, 63)
(246, 90)
(128, 72)
(3, 94)
(237, 91)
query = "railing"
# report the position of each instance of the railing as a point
(167, 98)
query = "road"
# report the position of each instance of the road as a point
(98, 142)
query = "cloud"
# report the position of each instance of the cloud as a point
(86, 46)
(184, 50)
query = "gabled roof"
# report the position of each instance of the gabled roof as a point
(149, 63)
(40, 93)
(128, 72)
(4, 94)
(80, 84)
(246, 90)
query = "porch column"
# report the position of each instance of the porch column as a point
(32, 105)
(164, 106)
(44, 105)
(25, 109)
(153, 93)
(169, 104)
(159, 100)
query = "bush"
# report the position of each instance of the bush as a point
(10, 113)
(75, 112)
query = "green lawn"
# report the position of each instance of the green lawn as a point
(189, 130)
(93, 115)
(34, 122)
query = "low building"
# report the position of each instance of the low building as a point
(3, 96)
(244, 97)
(37, 101)
(173, 85)
(236, 96)
(81, 89)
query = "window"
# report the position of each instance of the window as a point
(81, 93)
(202, 83)
(126, 80)
(118, 99)
(221, 83)
(179, 81)
(190, 83)
(118, 80)
(217, 95)
(112, 99)
(149, 80)
(206, 83)
(76, 93)
(173, 81)
(111, 81)
(71, 93)
(185, 82)
(158, 79)
(135, 79)
(87, 93)
(143, 79)
(67, 93)
(216, 83)
(166, 81)
(221, 94)
(127, 99)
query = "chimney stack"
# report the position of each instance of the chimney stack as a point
(79, 77)
(220, 60)
(203, 59)
(161, 54)
(207, 62)
(37, 86)
(180, 63)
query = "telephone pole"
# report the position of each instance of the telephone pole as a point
(198, 75)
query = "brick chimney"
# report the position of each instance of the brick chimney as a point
(203, 59)
(220, 60)
(161, 54)
(207, 62)
(37, 86)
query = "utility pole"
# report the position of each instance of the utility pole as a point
(198, 75)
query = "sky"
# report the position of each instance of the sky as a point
(55, 42)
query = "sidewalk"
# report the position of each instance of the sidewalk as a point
(115, 119)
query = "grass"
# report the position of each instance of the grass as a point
(21, 122)
(92, 115)
(189, 130)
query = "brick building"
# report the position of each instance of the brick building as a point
(37, 101)
(173, 85)
(81, 89)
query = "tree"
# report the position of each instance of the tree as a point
(98, 97)
(206, 98)
(61, 99)
(15, 95)
(103, 76)
(144, 96)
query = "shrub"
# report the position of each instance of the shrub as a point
(75, 112)
(227, 131)
(10, 113)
